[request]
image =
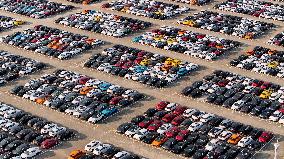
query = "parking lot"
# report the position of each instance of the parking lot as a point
(105, 131)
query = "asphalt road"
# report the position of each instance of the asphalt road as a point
(106, 131)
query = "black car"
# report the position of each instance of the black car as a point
(124, 127)
(179, 147)
(189, 150)
(110, 152)
(11, 146)
(20, 149)
(199, 154)
(23, 133)
(169, 143)
(244, 154)
(202, 141)
(150, 112)
(138, 118)
(150, 137)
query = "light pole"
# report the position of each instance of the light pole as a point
(276, 146)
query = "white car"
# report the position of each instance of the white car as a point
(189, 112)
(132, 130)
(207, 117)
(101, 148)
(121, 154)
(141, 134)
(214, 132)
(237, 105)
(47, 128)
(31, 152)
(170, 106)
(92, 145)
(195, 126)
(96, 118)
(281, 120)
(225, 135)
(212, 144)
(276, 116)
(163, 128)
(245, 141)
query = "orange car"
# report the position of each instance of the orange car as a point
(41, 100)
(51, 44)
(159, 141)
(271, 52)
(75, 154)
(85, 2)
(251, 52)
(248, 36)
(234, 139)
(85, 90)
(85, 11)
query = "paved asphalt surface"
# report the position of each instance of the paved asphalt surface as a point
(105, 131)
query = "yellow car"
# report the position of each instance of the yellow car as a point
(273, 64)
(18, 22)
(171, 41)
(265, 94)
(144, 62)
(76, 154)
(158, 13)
(158, 37)
(176, 62)
(189, 23)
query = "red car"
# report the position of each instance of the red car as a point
(182, 135)
(162, 105)
(115, 100)
(179, 110)
(172, 132)
(265, 137)
(127, 65)
(48, 143)
(83, 80)
(138, 60)
(120, 63)
(256, 83)
(154, 125)
(177, 120)
(145, 123)
(168, 117)
(265, 85)
(223, 83)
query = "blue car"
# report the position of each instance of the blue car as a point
(109, 111)
(136, 39)
(104, 86)
(182, 72)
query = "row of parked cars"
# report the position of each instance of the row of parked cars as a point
(139, 65)
(99, 150)
(262, 60)
(194, 133)
(104, 23)
(187, 42)
(85, 2)
(34, 8)
(77, 95)
(13, 66)
(240, 93)
(24, 135)
(228, 24)
(193, 2)
(147, 8)
(51, 42)
(9, 22)
(262, 9)
(278, 39)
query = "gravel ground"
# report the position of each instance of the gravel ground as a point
(106, 131)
